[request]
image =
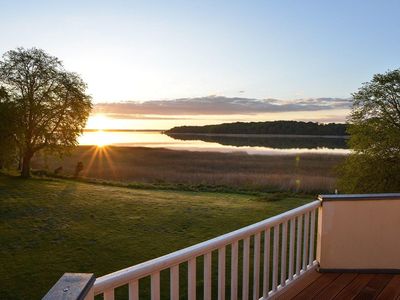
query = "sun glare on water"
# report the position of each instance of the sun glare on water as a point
(98, 136)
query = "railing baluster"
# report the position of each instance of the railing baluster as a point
(283, 254)
(234, 270)
(298, 244)
(284, 264)
(90, 295)
(174, 282)
(256, 267)
(267, 240)
(312, 235)
(134, 290)
(207, 276)
(275, 259)
(192, 279)
(221, 273)
(245, 285)
(155, 286)
(291, 247)
(305, 242)
(109, 295)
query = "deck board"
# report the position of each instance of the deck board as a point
(374, 287)
(331, 291)
(328, 286)
(317, 286)
(392, 290)
(354, 287)
(299, 285)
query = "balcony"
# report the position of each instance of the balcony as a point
(339, 246)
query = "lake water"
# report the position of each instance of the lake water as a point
(252, 144)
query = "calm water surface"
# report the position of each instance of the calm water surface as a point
(228, 143)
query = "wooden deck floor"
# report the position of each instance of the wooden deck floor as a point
(344, 286)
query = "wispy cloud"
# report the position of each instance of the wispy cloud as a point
(219, 105)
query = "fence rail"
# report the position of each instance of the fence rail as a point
(264, 258)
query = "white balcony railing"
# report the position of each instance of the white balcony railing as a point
(273, 253)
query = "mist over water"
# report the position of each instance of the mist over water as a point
(250, 144)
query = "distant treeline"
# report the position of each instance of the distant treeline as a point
(272, 127)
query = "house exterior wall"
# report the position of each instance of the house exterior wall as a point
(359, 234)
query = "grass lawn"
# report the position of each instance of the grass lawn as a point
(48, 227)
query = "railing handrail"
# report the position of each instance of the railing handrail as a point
(144, 269)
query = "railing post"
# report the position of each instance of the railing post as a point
(72, 286)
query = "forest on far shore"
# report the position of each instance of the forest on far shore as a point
(269, 127)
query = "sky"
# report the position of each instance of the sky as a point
(135, 51)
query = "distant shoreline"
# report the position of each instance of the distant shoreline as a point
(240, 135)
(256, 135)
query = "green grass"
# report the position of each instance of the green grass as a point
(48, 227)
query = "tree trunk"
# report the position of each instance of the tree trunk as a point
(19, 162)
(26, 165)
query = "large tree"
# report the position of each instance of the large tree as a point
(51, 103)
(374, 165)
(8, 128)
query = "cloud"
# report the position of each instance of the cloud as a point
(219, 105)
(139, 116)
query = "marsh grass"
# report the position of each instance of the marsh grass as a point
(163, 167)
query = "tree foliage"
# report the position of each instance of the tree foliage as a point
(51, 103)
(8, 127)
(374, 165)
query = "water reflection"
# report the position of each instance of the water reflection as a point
(229, 143)
(277, 142)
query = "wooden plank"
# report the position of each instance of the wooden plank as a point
(71, 286)
(317, 286)
(234, 270)
(312, 236)
(246, 258)
(109, 295)
(221, 273)
(298, 285)
(352, 289)
(298, 244)
(337, 286)
(134, 290)
(266, 270)
(174, 283)
(192, 279)
(392, 289)
(374, 286)
(207, 276)
(90, 295)
(305, 239)
(256, 267)
(291, 248)
(155, 286)
(283, 253)
(275, 259)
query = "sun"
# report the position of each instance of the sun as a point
(98, 121)
(101, 139)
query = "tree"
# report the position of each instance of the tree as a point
(8, 128)
(374, 165)
(51, 103)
